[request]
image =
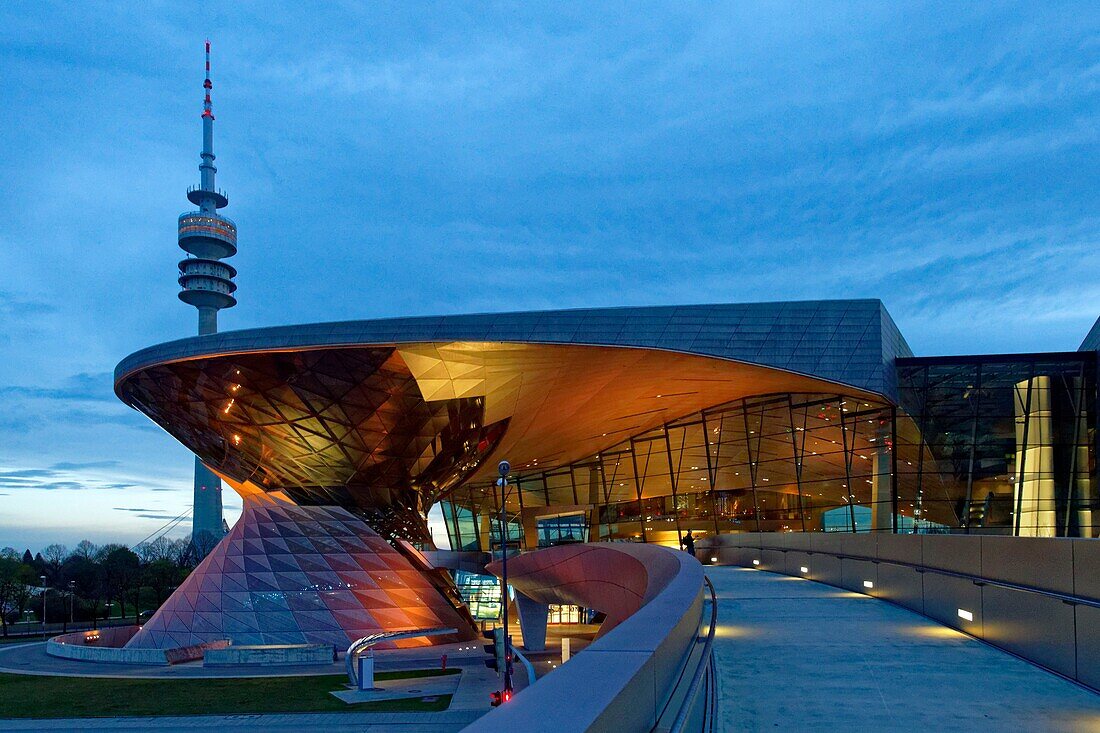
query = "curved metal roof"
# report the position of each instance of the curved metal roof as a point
(851, 342)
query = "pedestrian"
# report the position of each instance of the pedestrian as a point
(689, 544)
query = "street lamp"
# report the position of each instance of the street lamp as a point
(72, 593)
(504, 467)
(43, 577)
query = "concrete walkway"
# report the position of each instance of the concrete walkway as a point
(797, 655)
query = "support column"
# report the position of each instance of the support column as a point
(532, 622)
(1034, 459)
(882, 484)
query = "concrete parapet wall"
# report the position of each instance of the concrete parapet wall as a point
(105, 646)
(1038, 598)
(622, 680)
(270, 655)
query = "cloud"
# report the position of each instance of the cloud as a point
(53, 479)
(68, 466)
(15, 306)
(79, 387)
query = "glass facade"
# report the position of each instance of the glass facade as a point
(788, 462)
(999, 444)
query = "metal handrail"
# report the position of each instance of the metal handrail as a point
(705, 667)
(367, 642)
(526, 665)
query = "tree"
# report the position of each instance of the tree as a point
(182, 555)
(55, 556)
(158, 549)
(121, 573)
(28, 558)
(15, 590)
(203, 543)
(86, 550)
(162, 576)
(87, 576)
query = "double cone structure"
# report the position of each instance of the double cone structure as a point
(288, 574)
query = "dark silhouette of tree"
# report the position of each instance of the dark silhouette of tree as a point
(86, 549)
(121, 575)
(162, 576)
(55, 555)
(16, 585)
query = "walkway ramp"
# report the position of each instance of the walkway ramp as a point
(793, 654)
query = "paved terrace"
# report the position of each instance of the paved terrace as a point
(793, 654)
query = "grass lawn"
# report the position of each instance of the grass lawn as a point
(26, 696)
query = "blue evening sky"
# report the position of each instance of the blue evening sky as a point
(405, 158)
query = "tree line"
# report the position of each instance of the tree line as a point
(87, 580)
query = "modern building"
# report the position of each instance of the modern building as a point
(207, 284)
(621, 424)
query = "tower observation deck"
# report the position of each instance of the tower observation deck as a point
(207, 283)
(207, 236)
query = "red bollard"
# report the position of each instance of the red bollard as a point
(443, 662)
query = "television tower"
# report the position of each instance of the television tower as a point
(207, 284)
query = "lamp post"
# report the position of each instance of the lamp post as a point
(504, 467)
(72, 593)
(43, 577)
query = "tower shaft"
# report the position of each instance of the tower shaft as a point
(207, 284)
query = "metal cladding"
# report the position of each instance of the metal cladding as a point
(346, 427)
(300, 575)
(384, 430)
(847, 342)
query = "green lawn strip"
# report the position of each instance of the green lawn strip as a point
(27, 696)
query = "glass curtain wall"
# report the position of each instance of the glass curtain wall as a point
(789, 462)
(996, 445)
(1000, 445)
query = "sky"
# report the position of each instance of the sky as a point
(391, 159)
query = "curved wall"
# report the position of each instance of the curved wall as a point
(622, 680)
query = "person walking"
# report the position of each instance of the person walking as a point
(689, 544)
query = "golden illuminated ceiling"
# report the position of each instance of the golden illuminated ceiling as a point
(385, 430)
(566, 402)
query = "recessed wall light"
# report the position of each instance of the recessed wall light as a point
(755, 562)
(804, 569)
(966, 615)
(868, 584)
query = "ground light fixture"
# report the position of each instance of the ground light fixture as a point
(966, 615)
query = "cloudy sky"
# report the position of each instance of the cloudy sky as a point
(417, 159)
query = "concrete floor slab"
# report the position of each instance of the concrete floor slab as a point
(797, 655)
